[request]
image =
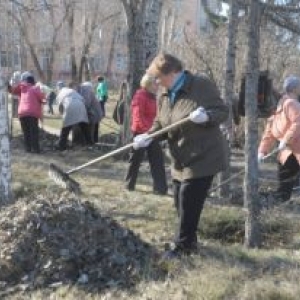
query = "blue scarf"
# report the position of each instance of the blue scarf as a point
(178, 83)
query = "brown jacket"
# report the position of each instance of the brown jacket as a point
(197, 150)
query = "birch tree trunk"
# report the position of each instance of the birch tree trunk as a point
(5, 162)
(228, 90)
(251, 199)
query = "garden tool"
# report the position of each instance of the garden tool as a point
(63, 178)
(273, 152)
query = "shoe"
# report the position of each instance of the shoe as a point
(59, 148)
(178, 252)
(129, 188)
(37, 151)
(162, 193)
(171, 255)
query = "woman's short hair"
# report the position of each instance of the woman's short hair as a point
(60, 85)
(165, 63)
(147, 81)
(291, 83)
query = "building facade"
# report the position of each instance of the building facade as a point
(108, 52)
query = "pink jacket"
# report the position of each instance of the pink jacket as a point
(284, 125)
(31, 100)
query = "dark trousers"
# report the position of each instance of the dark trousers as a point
(50, 108)
(65, 131)
(287, 173)
(30, 129)
(157, 167)
(102, 103)
(96, 132)
(189, 198)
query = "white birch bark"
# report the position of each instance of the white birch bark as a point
(5, 161)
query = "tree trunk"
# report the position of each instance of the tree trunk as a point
(71, 30)
(5, 161)
(251, 199)
(111, 54)
(142, 20)
(228, 90)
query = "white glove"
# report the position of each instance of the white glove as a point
(199, 115)
(141, 141)
(282, 145)
(260, 158)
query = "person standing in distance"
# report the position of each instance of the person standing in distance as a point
(143, 112)
(283, 127)
(30, 107)
(102, 92)
(197, 148)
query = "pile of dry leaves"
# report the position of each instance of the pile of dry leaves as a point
(54, 239)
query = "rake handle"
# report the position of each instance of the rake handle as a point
(128, 146)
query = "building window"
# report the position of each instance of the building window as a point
(45, 34)
(120, 62)
(95, 62)
(45, 59)
(178, 4)
(66, 63)
(5, 59)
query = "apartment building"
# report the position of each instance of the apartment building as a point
(195, 16)
(10, 43)
(107, 54)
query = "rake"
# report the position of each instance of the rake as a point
(63, 178)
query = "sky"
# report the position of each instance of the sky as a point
(225, 8)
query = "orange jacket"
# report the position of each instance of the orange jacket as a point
(284, 125)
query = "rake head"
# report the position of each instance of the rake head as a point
(63, 179)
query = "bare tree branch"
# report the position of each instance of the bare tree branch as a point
(283, 21)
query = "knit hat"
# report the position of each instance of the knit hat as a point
(25, 75)
(291, 83)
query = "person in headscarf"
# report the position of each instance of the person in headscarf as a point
(283, 127)
(93, 108)
(71, 106)
(29, 109)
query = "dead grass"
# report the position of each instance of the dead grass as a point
(223, 269)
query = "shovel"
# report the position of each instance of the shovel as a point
(63, 178)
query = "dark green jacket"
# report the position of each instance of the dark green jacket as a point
(196, 150)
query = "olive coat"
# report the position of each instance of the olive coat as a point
(196, 150)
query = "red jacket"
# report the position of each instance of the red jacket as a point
(143, 111)
(31, 100)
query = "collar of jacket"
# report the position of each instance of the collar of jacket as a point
(178, 83)
(185, 87)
